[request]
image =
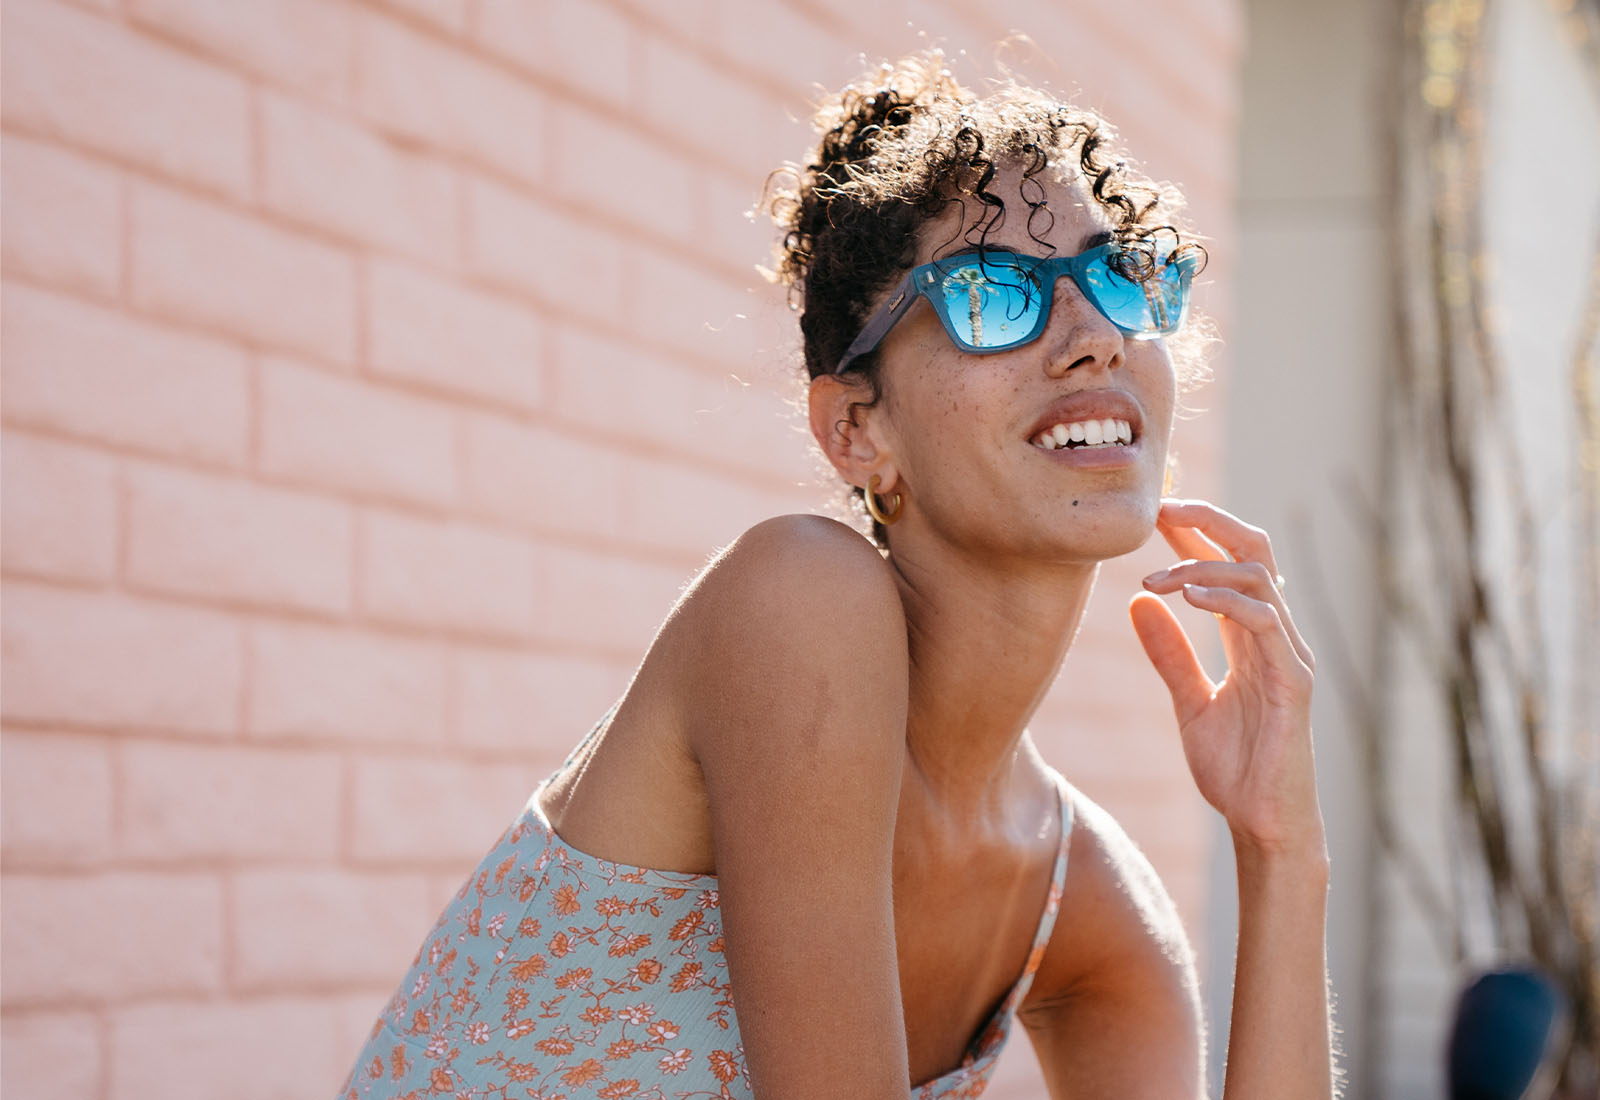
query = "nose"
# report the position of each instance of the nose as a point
(1079, 335)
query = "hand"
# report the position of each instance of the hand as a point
(1248, 738)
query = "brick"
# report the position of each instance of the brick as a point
(147, 102)
(102, 937)
(280, 289)
(304, 44)
(202, 535)
(580, 43)
(95, 373)
(793, 51)
(305, 929)
(56, 805)
(183, 802)
(532, 477)
(676, 88)
(622, 393)
(66, 223)
(60, 510)
(317, 682)
(445, 575)
(468, 806)
(425, 329)
(736, 232)
(604, 600)
(52, 1054)
(106, 660)
(534, 702)
(260, 1049)
(465, 106)
(446, 15)
(693, 312)
(337, 431)
(536, 249)
(598, 165)
(672, 505)
(335, 175)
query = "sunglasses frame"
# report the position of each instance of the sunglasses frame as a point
(923, 282)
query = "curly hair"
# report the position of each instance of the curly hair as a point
(903, 145)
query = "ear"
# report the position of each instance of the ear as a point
(852, 437)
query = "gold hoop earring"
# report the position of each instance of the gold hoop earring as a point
(876, 512)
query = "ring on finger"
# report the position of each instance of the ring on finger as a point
(1278, 582)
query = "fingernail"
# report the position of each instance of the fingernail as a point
(1153, 578)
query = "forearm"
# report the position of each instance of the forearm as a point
(1279, 1043)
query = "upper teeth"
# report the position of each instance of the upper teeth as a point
(1088, 432)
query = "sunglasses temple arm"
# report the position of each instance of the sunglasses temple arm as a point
(879, 324)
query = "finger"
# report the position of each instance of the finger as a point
(1186, 542)
(1261, 621)
(1172, 654)
(1241, 540)
(1249, 577)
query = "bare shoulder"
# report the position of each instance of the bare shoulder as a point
(796, 609)
(792, 653)
(1118, 974)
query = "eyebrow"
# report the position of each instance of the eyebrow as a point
(1097, 238)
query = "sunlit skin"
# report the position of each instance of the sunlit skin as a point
(831, 730)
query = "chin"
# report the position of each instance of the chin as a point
(1103, 528)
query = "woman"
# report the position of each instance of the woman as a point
(812, 850)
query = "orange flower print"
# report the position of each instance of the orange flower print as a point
(440, 1079)
(527, 887)
(565, 903)
(686, 978)
(477, 1033)
(420, 1023)
(529, 927)
(516, 1029)
(610, 907)
(555, 1046)
(637, 1014)
(560, 945)
(686, 925)
(399, 1066)
(530, 967)
(376, 1069)
(715, 945)
(516, 998)
(576, 976)
(474, 920)
(723, 1065)
(596, 1014)
(646, 972)
(628, 944)
(504, 869)
(619, 1089)
(582, 1073)
(521, 1071)
(709, 899)
(622, 1048)
(676, 1062)
(662, 1030)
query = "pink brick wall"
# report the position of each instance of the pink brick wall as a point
(374, 376)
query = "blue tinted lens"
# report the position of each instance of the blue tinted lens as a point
(1148, 308)
(992, 304)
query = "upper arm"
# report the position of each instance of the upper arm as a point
(799, 683)
(1115, 1008)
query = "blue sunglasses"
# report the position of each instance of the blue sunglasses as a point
(997, 300)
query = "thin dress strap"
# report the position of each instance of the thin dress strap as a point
(1052, 904)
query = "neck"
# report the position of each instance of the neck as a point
(985, 644)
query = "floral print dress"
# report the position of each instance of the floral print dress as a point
(555, 975)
